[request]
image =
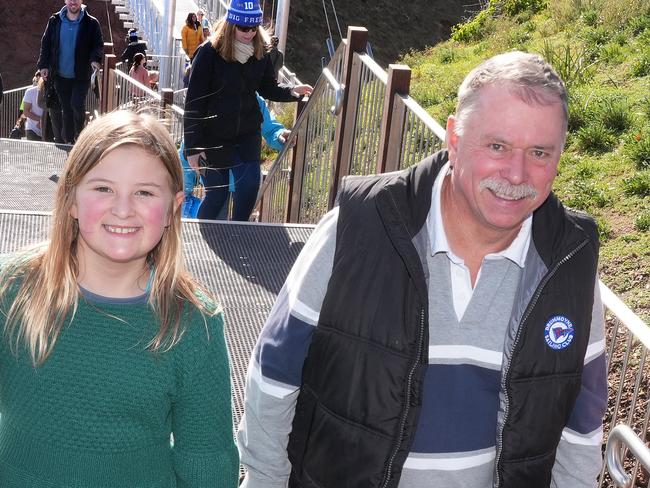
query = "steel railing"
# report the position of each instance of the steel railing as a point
(313, 136)
(310, 181)
(370, 107)
(622, 438)
(13, 99)
(421, 136)
(628, 339)
(128, 94)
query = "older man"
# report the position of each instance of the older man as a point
(71, 47)
(442, 327)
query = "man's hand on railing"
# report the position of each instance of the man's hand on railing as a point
(96, 66)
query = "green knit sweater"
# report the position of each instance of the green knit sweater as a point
(99, 412)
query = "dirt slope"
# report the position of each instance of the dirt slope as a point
(394, 28)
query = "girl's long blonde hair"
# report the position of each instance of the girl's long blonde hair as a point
(44, 279)
(223, 40)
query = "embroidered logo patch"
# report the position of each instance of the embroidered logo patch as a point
(558, 332)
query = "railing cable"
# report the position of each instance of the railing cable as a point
(336, 17)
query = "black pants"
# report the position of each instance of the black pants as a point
(72, 96)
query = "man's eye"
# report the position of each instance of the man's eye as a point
(539, 154)
(495, 146)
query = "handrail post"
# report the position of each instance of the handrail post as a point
(623, 436)
(297, 170)
(392, 122)
(166, 101)
(357, 40)
(110, 61)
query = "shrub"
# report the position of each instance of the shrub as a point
(611, 53)
(604, 229)
(642, 221)
(636, 25)
(638, 185)
(515, 7)
(476, 28)
(620, 38)
(447, 55)
(590, 17)
(637, 147)
(615, 114)
(641, 67)
(595, 138)
(645, 107)
(571, 63)
(583, 194)
(578, 110)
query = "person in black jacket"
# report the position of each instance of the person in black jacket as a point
(71, 48)
(133, 47)
(222, 116)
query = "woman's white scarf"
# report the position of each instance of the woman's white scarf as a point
(243, 51)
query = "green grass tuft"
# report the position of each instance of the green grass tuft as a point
(638, 184)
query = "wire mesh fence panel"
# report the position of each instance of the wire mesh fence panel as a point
(628, 369)
(370, 108)
(10, 109)
(317, 177)
(275, 201)
(421, 136)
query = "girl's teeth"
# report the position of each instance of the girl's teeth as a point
(121, 230)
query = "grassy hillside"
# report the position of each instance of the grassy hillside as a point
(602, 50)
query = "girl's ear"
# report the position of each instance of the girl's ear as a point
(178, 199)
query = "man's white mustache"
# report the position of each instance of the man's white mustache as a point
(504, 189)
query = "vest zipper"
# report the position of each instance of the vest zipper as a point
(504, 379)
(409, 385)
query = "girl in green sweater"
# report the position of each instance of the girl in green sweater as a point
(113, 366)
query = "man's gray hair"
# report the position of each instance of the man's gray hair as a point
(528, 76)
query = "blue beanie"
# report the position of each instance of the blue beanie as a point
(245, 13)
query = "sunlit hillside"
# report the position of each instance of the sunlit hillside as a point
(602, 50)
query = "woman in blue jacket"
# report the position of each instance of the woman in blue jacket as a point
(222, 116)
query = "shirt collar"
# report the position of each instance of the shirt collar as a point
(515, 252)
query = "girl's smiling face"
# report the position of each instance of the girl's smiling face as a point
(122, 206)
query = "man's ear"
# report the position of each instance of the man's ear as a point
(451, 139)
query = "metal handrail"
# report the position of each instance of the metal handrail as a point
(339, 91)
(622, 437)
(632, 321)
(424, 116)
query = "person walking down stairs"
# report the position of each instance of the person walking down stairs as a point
(191, 35)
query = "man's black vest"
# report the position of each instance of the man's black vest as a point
(361, 390)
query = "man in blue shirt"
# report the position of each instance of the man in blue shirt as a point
(71, 48)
